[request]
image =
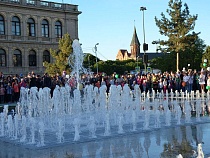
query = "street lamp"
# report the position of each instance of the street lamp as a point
(143, 9)
(89, 63)
(137, 67)
(145, 46)
(96, 57)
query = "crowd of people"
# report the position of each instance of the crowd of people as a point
(10, 85)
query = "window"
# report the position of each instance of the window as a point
(32, 58)
(17, 58)
(31, 27)
(46, 56)
(15, 1)
(57, 5)
(45, 28)
(2, 25)
(15, 26)
(32, 2)
(58, 29)
(46, 4)
(2, 57)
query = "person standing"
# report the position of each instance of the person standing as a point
(195, 81)
(165, 85)
(32, 81)
(202, 81)
(185, 82)
(160, 85)
(190, 82)
(9, 91)
(2, 93)
(47, 82)
(22, 83)
(16, 89)
(177, 82)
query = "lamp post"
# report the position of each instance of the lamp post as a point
(145, 46)
(137, 65)
(89, 63)
(96, 57)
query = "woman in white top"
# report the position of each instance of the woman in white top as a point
(202, 81)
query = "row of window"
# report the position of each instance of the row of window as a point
(17, 58)
(31, 27)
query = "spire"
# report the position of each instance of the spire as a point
(135, 40)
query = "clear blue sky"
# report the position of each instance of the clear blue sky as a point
(111, 23)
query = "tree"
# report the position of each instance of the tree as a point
(163, 63)
(178, 28)
(193, 54)
(206, 56)
(90, 62)
(60, 56)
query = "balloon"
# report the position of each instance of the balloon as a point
(116, 76)
(207, 87)
(204, 64)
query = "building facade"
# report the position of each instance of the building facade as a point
(29, 29)
(135, 49)
(135, 54)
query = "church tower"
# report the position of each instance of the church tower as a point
(135, 45)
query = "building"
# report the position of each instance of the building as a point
(123, 54)
(135, 49)
(29, 28)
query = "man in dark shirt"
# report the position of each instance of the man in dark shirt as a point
(32, 81)
(47, 82)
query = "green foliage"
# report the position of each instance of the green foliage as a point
(206, 55)
(110, 66)
(178, 28)
(60, 56)
(89, 61)
(117, 66)
(193, 54)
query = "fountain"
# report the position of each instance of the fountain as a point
(40, 121)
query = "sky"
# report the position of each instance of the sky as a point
(111, 23)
